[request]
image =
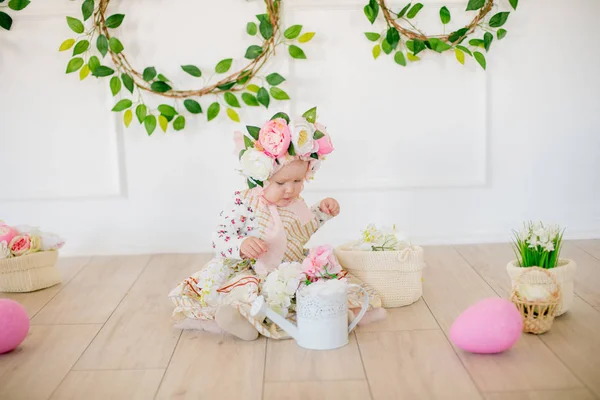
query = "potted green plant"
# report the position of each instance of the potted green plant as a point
(537, 245)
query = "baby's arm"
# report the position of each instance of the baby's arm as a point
(236, 223)
(325, 210)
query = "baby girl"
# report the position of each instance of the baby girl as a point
(261, 228)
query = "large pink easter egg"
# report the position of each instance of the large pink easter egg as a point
(489, 326)
(7, 233)
(14, 325)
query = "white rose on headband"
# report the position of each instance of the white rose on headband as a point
(256, 164)
(302, 137)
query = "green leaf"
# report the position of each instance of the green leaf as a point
(371, 13)
(414, 10)
(499, 19)
(266, 29)
(87, 9)
(102, 71)
(480, 59)
(445, 15)
(253, 131)
(263, 97)
(223, 66)
(66, 45)
(250, 100)
(192, 70)
(93, 63)
(102, 45)
(163, 78)
(311, 115)
(402, 12)
(140, 112)
(372, 36)
(456, 36)
(279, 94)
(167, 110)
(262, 17)
(439, 45)
(81, 47)
(5, 20)
(122, 105)
(192, 106)
(464, 49)
(487, 41)
(376, 51)
(127, 118)
(477, 43)
(275, 79)
(233, 115)
(393, 37)
(318, 135)
(386, 46)
(226, 86)
(231, 100)
(75, 25)
(114, 21)
(281, 115)
(251, 28)
(306, 37)
(160, 86)
(149, 74)
(74, 64)
(399, 58)
(163, 122)
(128, 82)
(253, 52)
(291, 150)
(296, 52)
(412, 57)
(253, 88)
(501, 33)
(213, 111)
(84, 72)
(115, 85)
(475, 5)
(150, 124)
(418, 46)
(514, 3)
(410, 45)
(292, 32)
(460, 56)
(179, 123)
(244, 77)
(115, 45)
(18, 5)
(247, 142)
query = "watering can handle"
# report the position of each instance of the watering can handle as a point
(363, 310)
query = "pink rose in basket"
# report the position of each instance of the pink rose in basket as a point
(274, 137)
(24, 244)
(321, 263)
(7, 233)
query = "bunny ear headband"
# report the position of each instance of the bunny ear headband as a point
(264, 151)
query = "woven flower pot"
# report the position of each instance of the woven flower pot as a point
(30, 272)
(395, 275)
(538, 316)
(564, 274)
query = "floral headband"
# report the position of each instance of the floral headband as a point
(264, 151)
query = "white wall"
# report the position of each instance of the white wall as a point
(452, 154)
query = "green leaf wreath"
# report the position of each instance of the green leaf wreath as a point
(406, 41)
(6, 20)
(96, 41)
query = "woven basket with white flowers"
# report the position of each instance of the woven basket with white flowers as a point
(385, 260)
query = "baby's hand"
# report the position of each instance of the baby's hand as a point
(330, 207)
(253, 248)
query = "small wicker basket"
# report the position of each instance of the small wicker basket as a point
(395, 275)
(538, 316)
(30, 272)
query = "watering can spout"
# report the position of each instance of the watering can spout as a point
(259, 307)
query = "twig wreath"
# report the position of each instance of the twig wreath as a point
(150, 80)
(6, 20)
(400, 38)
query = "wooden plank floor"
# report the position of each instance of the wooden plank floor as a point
(106, 333)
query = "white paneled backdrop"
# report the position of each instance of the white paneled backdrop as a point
(451, 154)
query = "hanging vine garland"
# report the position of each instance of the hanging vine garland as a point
(123, 74)
(6, 20)
(399, 38)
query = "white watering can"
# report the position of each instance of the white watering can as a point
(321, 314)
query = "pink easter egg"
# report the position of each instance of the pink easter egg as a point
(15, 325)
(489, 326)
(7, 233)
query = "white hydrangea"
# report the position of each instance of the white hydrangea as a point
(279, 288)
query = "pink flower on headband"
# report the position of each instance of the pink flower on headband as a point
(274, 137)
(325, 144)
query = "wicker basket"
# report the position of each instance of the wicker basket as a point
(538, 316)
(29, 273)
(395, 275)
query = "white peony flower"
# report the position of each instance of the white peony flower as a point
(256, 165)
(4, 250)
(302, 137)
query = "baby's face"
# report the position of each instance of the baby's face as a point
(287, 184)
